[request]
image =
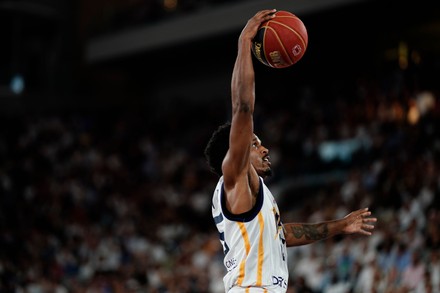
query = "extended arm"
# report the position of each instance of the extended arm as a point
(304, 233)
(235, 168)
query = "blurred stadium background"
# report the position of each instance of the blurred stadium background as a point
(106, 106)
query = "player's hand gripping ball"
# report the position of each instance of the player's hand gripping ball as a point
(281, 41)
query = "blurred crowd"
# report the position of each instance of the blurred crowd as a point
(119, 201)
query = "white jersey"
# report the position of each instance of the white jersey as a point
(253, 243)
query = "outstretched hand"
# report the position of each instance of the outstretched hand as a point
(359, 222)
(251, 28)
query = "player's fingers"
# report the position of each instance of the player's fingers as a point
(368, 220)
(369, 227)
(368, 233)
(266, 14)
(266, 11)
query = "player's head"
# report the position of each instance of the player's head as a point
(218, 146)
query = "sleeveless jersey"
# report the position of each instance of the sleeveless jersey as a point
(254, 246)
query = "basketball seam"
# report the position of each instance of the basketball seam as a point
(264, 44)
(291, 29)
(279, 41)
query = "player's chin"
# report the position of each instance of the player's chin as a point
(268, 172)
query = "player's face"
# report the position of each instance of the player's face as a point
(260, 158)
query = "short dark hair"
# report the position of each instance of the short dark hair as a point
(217, 148)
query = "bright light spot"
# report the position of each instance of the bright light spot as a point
(17, 84)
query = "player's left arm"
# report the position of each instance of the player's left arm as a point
(356, 222)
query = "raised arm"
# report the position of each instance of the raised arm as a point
(236, 165)
(303, 233)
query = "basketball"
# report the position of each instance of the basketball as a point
(281, 41)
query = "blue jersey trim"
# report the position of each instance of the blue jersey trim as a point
(246, 216)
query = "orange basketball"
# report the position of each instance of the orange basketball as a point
(281, 41)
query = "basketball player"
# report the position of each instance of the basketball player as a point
(246, 215)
